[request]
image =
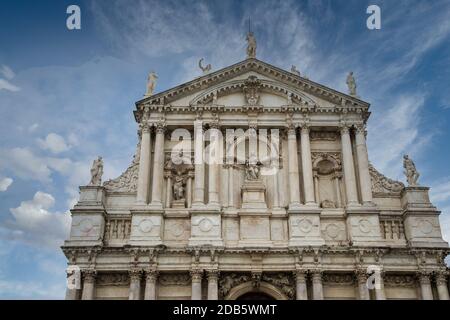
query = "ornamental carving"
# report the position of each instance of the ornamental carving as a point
(338, 279)
(175, 279)
(113, 279)
(323, 136)
(282, 281)
(383, 185)
(251, 90)
(231, 280)
(396, 280)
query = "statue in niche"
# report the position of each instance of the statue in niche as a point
(411, 173)
(252, 168)
(351, 84)
(251, 47)
(327, 204)
(151, 83)
(178, 187)
(96, 172)
(206, 69)
(295, 71)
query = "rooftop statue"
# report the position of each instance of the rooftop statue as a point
(96, 172)
(411, 173)
(206, 69)
(295, 71)
(251, 47)
(151, 83)
(351, 83)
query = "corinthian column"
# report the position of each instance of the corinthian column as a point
(307, 166)
(317, 285)
(349, 167)
(196, 283)
(144, 165)
(214, 161)
(300, 279)
(135, 285)
(213, 292)
(158, 167)
(441, 284)
(294, 181)
(150, 285)
(363, 166)
(88, 285)
(425, 286)
(361, 276)
(199, 182)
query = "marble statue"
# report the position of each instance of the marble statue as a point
(96, 172)
(294, 70)
(151, 83)
(351, 83)
(206, 69)
(252, 168)
(178, 188)
(411, 173)
(251, 47)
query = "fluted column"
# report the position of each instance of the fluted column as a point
(349, 167)
(150, 285)
(213, 292)
(168, 177)
(363, 165)
(196, 284)
(307, 166)
(361, 277)
(144, 165)
(317, 285)
(441, 284)
(214, 160)
(88, 285)
(301, 289)
(135, 285)
(294, 181)
(425, 286)
(199, 183)
(158, 167)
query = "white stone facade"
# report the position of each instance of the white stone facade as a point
(310, 218)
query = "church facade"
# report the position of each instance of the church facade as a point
(252, 182)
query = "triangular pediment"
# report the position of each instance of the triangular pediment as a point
(232, 80)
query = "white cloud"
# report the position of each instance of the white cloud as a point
(33, 127)
(6, 85)
(441, 191)
(5, 183)
(53, 142)
(7, 72)
(35, 224)
(15, 289)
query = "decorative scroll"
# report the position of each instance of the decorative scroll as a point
(283, 281)
(382, 184)
(231, 280)
(126, 182)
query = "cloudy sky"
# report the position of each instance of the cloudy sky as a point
(67, 96)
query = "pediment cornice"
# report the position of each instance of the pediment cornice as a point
(281, 76)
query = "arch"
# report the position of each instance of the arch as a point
(264, 287)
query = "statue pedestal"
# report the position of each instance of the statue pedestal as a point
(254, 195)
(179, 204)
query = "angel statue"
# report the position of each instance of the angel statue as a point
(96, 172)
(178, 188)
(251, 47)
(151, 83)
(351, 84)
(295, 71)
(206, 69)
(411, 173)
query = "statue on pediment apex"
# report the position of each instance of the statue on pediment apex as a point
(411, 173)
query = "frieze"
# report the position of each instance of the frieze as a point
(283, 281)
(174, 279)
(113, 279)
(338, 279)
(397, 280)
(231, 280)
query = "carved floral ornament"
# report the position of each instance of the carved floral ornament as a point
(383, 185)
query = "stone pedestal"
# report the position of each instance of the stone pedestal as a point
(363, 227)
(421, 218)
(254, 195)
(88, 218)
(179, 204)
(206, 228)
(146, 227)
(304, 228)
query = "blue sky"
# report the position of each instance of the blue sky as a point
(67, 96)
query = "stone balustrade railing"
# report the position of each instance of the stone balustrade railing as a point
(392, 228)
(117, 229)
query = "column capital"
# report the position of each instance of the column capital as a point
(360, 128)
(151, 275)
(361, 275)
(196, 274)
(344, 128)
(89, 275)
(160, 127)
(300, 274)
(135, 274)
(423, 276)
(145, 127)
(212, 275)
(316, 274)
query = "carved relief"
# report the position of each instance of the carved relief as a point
(113, 279)
(396, 280)
(251, 90)
(228, 281)
(174, 279)
(283, 281)
(338, 279)
(383, 185)
(323, 135)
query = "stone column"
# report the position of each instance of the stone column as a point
(363, 165)
(441, 284)
(317, 285)
(189, 189)
(150, 285)
(213, 291)
(316, 187)
(89, 285)
(144, 165)
(199, 187)
(73, 284)
(196, 283)
(168, 176)
(301, 289)
(425, 286)
(275, 163)
(294, 181)
(135, 285)
(379, 288)
(214, 161)
(337, 185)
(158, 167)
(349, 167)
(361, 277)
(307, 166)
(230, 186)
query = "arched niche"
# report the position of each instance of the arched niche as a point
(327, 171)
(248, 287)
